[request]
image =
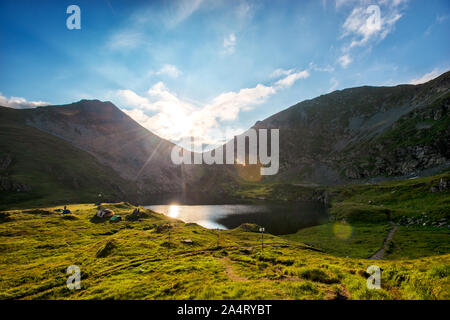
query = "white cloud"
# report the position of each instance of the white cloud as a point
(125, 40)
(313, 66)
(229, 43)
(389, 3)
(175, 118)
(344, 60)
(426, 77)
(130, 98)
(439, 20)
(228, 105)
(334, 84)
(290, 75)
(243, 10)
(291, 78)
(169, 70)
(20, 103)
(181, 10)
(277, 73)
(171, 117)
(368, 22)
(364, 24)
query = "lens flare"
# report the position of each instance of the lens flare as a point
(342, 230)
(249, 172)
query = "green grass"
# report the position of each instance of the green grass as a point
(344, 240)
(37, 246)
(366, 211)
(415, 241)
(392, 200)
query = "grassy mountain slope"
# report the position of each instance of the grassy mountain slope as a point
(110, 135)
(361, 215)
(135, 260)
(39, 168)
(365, 132)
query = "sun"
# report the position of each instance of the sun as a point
(174, 211)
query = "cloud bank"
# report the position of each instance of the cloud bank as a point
(20, 103)
(161, 111)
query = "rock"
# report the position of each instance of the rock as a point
(352, 173)
(5, 161)
(7, 184)
(162, 227)
(249, 227)
(443, 184)
(136, 215)
(187, 241)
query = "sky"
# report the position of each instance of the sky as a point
(212, 68)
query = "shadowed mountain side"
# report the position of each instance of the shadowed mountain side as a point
(358, 134)
(116, 140)
(363, 133)
(35, 165)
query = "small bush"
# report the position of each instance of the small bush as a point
(308, 286)
(106, 249)
(440, 271)
(69, 217)
(317, 275)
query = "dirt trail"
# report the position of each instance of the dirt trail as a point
(380, 253)
(230, 272)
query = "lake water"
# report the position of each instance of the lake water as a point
(275, 218)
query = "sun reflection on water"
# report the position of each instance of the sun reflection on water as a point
(174, 211)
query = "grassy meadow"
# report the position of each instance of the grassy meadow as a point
(145, 259)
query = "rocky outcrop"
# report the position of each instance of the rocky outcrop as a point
(5, 161)
(443, 185)
(9, 185)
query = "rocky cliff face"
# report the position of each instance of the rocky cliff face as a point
(365, 132)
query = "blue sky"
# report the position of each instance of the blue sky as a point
(213, 68)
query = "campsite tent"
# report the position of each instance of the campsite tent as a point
(105, 213)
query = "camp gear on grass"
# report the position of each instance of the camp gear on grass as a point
(115, 218)
(105, 213)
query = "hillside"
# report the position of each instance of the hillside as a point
(39, 167)
(355, 135)
(144, 260)
(366, 132)
(116, 140)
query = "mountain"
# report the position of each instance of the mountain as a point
(108, 143)
(36, 166)
(114, 139)
(366, 132)
(78, 150)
